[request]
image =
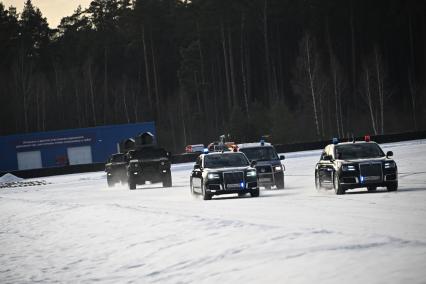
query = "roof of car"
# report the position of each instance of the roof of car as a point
(253, 144)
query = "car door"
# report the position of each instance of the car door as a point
(197, 174)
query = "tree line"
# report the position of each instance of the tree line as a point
(292, 70)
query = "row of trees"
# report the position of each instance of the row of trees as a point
(299, 71)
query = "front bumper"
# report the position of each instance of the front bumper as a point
(220, 188)
(350, 180)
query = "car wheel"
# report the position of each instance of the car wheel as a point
(167, 180)
(317, 181)
(241, 194)
(393, 187)
(254, 192)
(110, 182)
(371, 188)
(280, 183)
(337, 186)
(206, 195)
(132, 184)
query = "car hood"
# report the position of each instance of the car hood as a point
(268, 163)
(364, 160)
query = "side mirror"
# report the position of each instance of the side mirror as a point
(282, 157)
(253, 163)
(389, 154)
(197, 167)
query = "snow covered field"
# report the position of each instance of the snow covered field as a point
(75, 229)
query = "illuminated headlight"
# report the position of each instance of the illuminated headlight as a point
(348, 168)
(213, 176)
(109, 174)
(277, 168)
(390, 165)
(135, 173)
(251, 173)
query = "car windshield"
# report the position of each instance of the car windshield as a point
(225, 160)
(118, 158)
(358, 151)
(260, 153)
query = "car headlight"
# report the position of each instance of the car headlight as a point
(213, 176)
(390, 165)
(278, 168)
(348, 168)
(251, 173)
(134, 165)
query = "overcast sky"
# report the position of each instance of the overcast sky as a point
(53, 10)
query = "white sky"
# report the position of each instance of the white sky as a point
(53, 10)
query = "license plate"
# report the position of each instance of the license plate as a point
(264, 180)
(233, 185)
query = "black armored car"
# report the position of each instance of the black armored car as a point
(349, 165)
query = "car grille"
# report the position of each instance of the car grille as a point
(264, 169)
(233, 177)
(371, 172)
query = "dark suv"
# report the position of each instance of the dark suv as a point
(269, 169)
(148, 164)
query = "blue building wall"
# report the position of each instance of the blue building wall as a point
(53, 145)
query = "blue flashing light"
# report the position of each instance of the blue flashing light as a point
(362, 179)
(335, 141)
(206, 150)
(242, 184)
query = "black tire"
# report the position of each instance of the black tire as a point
(268, 187)
(317, 181)
(393, 187)
(110, 182)
(206, 196)
(241, 194)
(337, 186)
(254, 192)
(280, 182)
(132, 184)
(167, 180)
(371, 188)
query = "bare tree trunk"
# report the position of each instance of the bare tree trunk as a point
(352, 23)
(380, 88)
(106, 105)
(197, 93)
(154, 71)
(148, 81)
(231, 64)
(311, 83)
(412, 74)
(182, 113)
(266, 46)
(92, 93)
(124, 95)
(369, 100)
(243, 69)
(226, 64)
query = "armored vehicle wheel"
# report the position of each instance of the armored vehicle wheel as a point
(241, 194)
(393, 187)
(254, 192)
(337, 186)
(167, 180)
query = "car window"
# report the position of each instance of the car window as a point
(260, 153)
(358, 151)
(225, 160)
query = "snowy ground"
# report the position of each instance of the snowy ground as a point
(75, 229)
